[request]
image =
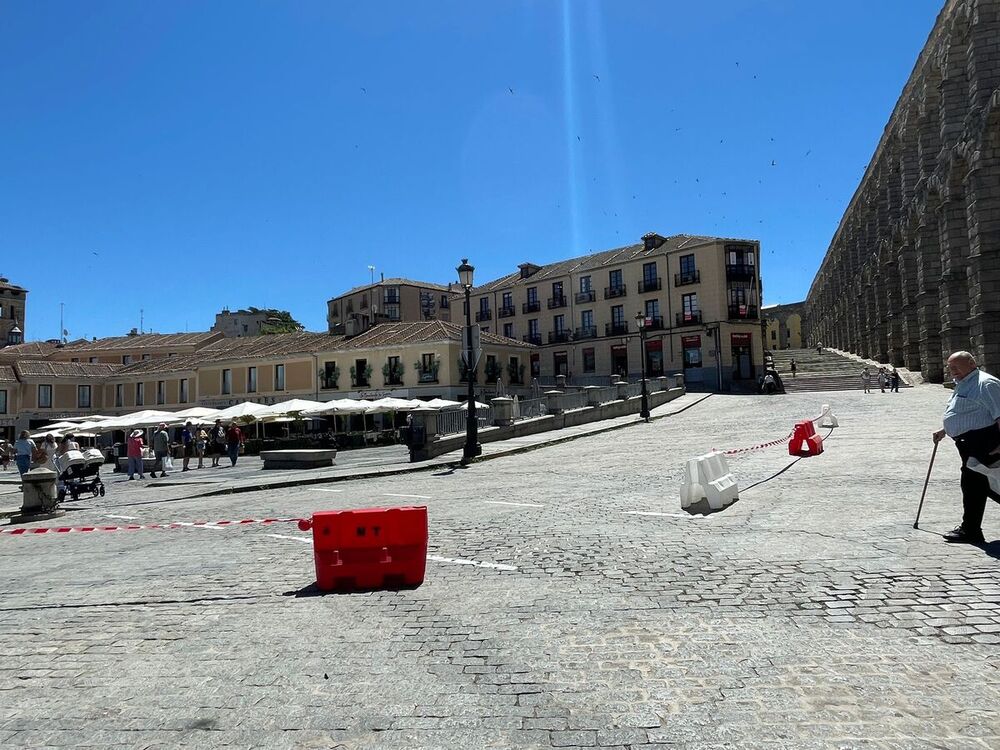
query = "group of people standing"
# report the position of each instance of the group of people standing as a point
(884, 378)
(215, 442)
(28, 453)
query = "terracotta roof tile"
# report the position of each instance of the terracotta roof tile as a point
(400, 334)
(27, 350)
(7, 374)
(143, 341)
(34, 368)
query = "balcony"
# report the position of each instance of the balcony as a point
(555, 302)
(616, 329)
(586, 332)
(688, 319)
(507, 311)
(688, 277)
(743, 312)
(482, 315)
(654, 323)
(559, 337)
(534, 338)
(584, 297)
(740, 272)
(427, 376)
(610, 292)
(328, 383)
(650, 285)
(531, 306)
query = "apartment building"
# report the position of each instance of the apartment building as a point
(698, 298)
(388, 301)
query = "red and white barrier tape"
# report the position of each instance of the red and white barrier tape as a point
(22, 531)
(759, 446)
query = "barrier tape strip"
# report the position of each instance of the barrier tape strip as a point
(22, 531)
(759, 446)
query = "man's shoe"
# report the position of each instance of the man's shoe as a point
(163, 474)
(961, 536)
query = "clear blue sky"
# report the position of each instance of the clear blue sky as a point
(185, 156)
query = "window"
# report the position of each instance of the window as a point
(689, 308)
(774, 335)
(349, 308)
(615, 279)
(444, 302)
(3, 402)
(589, 361)
(161, 392)
(557, 289)
(330, 375)
(394, 375)
(533, 327)
(559, 323)
(83, 397)
(126, 359)
(335, 311)
(74, 359)
(140, 394)
(514, 370)
(360, 373)
(119, 394)
(364, 301)
(508, 300)
(279, 377)
(649, 273)
(618, 315)
(484, 304)
(93, 360)
(45, 397)
(687, 265)
(227, 381)
(145, 357)
(184, 391)
(653, 309)
(532, 294)
(508, 330)
(245, 328)
(391, 295)
(251, 380)
(585, 284)
(428, 368)
(587, 320)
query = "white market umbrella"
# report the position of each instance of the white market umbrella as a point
(465, 405)
(291, 408)
(55, 426)
(245, 412)
(441, 403)
(91, 418)
(389, 404)
(338, 406)
(197, 412)
(145, 418)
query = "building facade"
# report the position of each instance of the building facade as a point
(404, 360)
(913, 271)
(13, 305)
(240, 323)
(699, 298)
(783, 326)
(387, 301)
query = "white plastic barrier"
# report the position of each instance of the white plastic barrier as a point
(827, 418)
(990, 472)
(708, 481)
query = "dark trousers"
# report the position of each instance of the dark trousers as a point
(977, 444)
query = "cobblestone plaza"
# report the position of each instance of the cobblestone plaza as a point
(568, 603)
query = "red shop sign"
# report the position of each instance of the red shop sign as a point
(691, 342)
(741, 339)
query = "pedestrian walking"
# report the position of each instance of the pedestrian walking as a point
(793, 368)
(881, 379)
(134, 446)
(234, 440)
(161, 449)
(895, 381)
(217, 442)
(5, 455)
(51, 449)
(24, 449)
(866, 380)
(187, 441)
(972, 420)
(200, 445)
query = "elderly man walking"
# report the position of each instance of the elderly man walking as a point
(972, 420)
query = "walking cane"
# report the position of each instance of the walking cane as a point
(928, 479)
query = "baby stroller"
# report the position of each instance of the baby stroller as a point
(80, 473)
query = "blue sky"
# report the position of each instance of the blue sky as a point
(178, 157)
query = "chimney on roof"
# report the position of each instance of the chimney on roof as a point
(134, 332)
(528, 269)
(382, 275)
(652, 240)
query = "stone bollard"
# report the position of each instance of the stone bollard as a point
(39, 500)
(622, 390)
(560, 382)
(663, 383)
(503, 411)
(678, 379)
(423, 429)
(593, 395)
(554, 402)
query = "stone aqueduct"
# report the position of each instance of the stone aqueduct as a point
(913, 272)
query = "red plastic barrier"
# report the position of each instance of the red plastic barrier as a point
(805, 441)
(371, 548)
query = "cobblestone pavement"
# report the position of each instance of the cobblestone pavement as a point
(568, 603)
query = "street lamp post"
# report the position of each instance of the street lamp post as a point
(640, 321)
(472, 447)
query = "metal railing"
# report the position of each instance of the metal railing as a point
(533, 338)
(454, 421)
(559, 337)
(615, 291)
(531, 306)
(586, 332)
(685, 278)
(587, 296)
(688, 319)
(745, 312)
(574, 400)
(615, 329)
(530, 408)
(650, 285)
(555, 302)
(506, 311)
(484, 315)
